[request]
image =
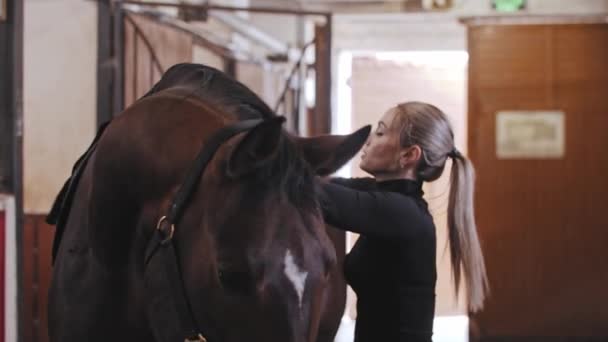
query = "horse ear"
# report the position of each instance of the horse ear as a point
(255, 149)
(327, 153)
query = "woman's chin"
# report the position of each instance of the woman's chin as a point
(363, 166)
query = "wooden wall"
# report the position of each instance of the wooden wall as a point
(543, 222)
(37, 242)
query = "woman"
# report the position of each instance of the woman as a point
(392, 266)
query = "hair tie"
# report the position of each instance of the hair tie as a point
(454, 153)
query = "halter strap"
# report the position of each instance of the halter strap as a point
(194, 174)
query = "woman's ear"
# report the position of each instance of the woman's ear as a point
(410, 156)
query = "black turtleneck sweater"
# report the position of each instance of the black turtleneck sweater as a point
(391, 267)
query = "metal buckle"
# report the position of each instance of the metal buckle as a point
(169, 235)
(197, 338)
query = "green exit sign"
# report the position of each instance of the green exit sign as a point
(508, 5)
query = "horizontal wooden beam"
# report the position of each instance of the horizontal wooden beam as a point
(265, 10)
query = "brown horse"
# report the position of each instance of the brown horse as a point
(243, 256)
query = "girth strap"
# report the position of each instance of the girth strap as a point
(163, 276)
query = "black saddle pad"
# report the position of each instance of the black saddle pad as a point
(58, 216)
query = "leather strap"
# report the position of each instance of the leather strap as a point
(194, 174)
(170, 311)
(162, 270)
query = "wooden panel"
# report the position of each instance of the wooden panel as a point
(2, 272)
(37, 241)
(169, 45)
(522, 69)
(129, 63)
(45, 242)
(28, 294)
(542, 222)
(321, 122)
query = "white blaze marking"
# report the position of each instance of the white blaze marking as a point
(295, 275)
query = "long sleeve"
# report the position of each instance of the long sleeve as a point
(373, 213)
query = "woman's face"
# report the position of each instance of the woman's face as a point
(382, 150)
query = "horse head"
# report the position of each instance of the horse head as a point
(255, 250)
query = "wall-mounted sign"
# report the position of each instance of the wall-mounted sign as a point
(508, 5)
(430, 5)
(3, 10)
(530, 134)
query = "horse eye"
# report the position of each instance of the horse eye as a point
(237, 282)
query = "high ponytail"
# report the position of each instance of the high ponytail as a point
(427, 126)
(465, 250)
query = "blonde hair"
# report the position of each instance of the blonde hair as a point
(428, 127)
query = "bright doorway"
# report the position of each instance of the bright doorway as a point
(368, 83)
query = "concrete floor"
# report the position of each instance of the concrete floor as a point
(446, 329)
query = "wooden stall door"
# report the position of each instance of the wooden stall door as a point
(150, 48)
(543, 221)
